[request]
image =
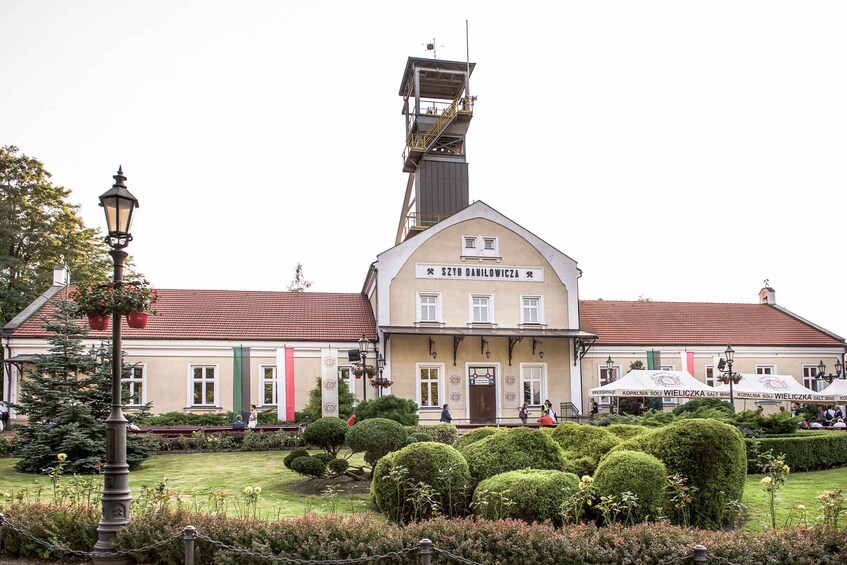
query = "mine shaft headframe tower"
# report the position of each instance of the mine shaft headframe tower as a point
(438, 109)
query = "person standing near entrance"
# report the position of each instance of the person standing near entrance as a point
(253, 418)
(446, 418)
(523, 413)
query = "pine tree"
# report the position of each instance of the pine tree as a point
(299, 282)
(67, 399)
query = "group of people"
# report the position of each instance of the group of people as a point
(252, 420)
(827, 417)
(548, 415)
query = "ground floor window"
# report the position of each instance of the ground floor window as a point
(204, 385)
(429, 386)
(268, 385)
(710, 375)
(133, 385)
(532, 384)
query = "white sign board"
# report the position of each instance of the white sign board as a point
(478, 272)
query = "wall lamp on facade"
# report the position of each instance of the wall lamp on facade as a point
(483, 348)
(829, 378)
(432, 352)
(537, 343)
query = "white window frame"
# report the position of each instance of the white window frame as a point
(540, 299)
(478, 295)
(440, 387)
(479, 248)
(438, 311)
(131, 382)
(351, 377)
(666, 399)
(601, 370)
(216, 381)
(766, 369)
(542, 382)
(264, 380)
(809, 378)
(710, 380)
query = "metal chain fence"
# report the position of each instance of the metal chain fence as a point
(189, 535)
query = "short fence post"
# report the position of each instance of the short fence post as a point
(700, 554)
(189, 533)
(2, 526)
(426, 551)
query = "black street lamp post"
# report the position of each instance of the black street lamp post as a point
(119, 205)
(829, 378)
(730, 354)
(610, 367)
(363, 356)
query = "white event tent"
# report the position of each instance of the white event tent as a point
(774, 387)
(658, 384)
(838, 389)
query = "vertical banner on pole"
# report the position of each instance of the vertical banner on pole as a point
(289, 384)
(280, 384)
(689, 357)
(329, 382)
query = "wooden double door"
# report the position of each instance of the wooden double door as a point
(482, 395)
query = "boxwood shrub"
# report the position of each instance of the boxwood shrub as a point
(442, 433)
(420, 479)
(639, 473)
(328, 433)
(294, 454)
(309, 466)
(513, 449)
(376, 437)
(531, 495)
(585, 443)
(803, 451)
(474, 436)
(711, 455)
(626, 431)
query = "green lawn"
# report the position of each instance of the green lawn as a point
(195, 476)
(799, 488)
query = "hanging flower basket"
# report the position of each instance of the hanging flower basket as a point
(98, 321)
(137, 320)
(369, 370)
(381, 382)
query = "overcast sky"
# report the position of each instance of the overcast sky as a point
(679, 151)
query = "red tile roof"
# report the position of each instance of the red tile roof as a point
(243, 315)
(618, 322)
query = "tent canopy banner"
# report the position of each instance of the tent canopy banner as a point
(838, 389)
(774, 387)
(659, 384)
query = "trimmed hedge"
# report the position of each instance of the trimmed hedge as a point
(710, 454)
(513, 449)
(328, 433)
(803, 451)
(639, 473)
(333, 537)
(442, 433)
(474, 436)
(626, 431)
(584, 445)
(531, 495)
(400, 479)
(376, 437)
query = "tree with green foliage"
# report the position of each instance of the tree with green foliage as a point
(391, 407)
(299, 282)
(67, 398)
(39, 229)
(314, 409)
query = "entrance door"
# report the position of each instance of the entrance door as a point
(482, 395)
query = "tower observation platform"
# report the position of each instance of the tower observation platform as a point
(438, 109)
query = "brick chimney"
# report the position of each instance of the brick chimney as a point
(767, 295)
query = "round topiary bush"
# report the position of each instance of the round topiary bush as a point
(510, 450)
(295, 453)
(421, 436)
(337, 466)
(584, 440)
(325, 457)
(309, 466)
(626, 431)
(442, 433)
(639, 473)
(411, 483)
(531, 495)
(474, 436)
(376, 437)
(328, 433)
(389, 407)
(710, 455)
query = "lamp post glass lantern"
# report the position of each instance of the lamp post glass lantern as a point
(610, 367)
(730, 356)
(363, 360)
(118, 204)
(829, 378)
